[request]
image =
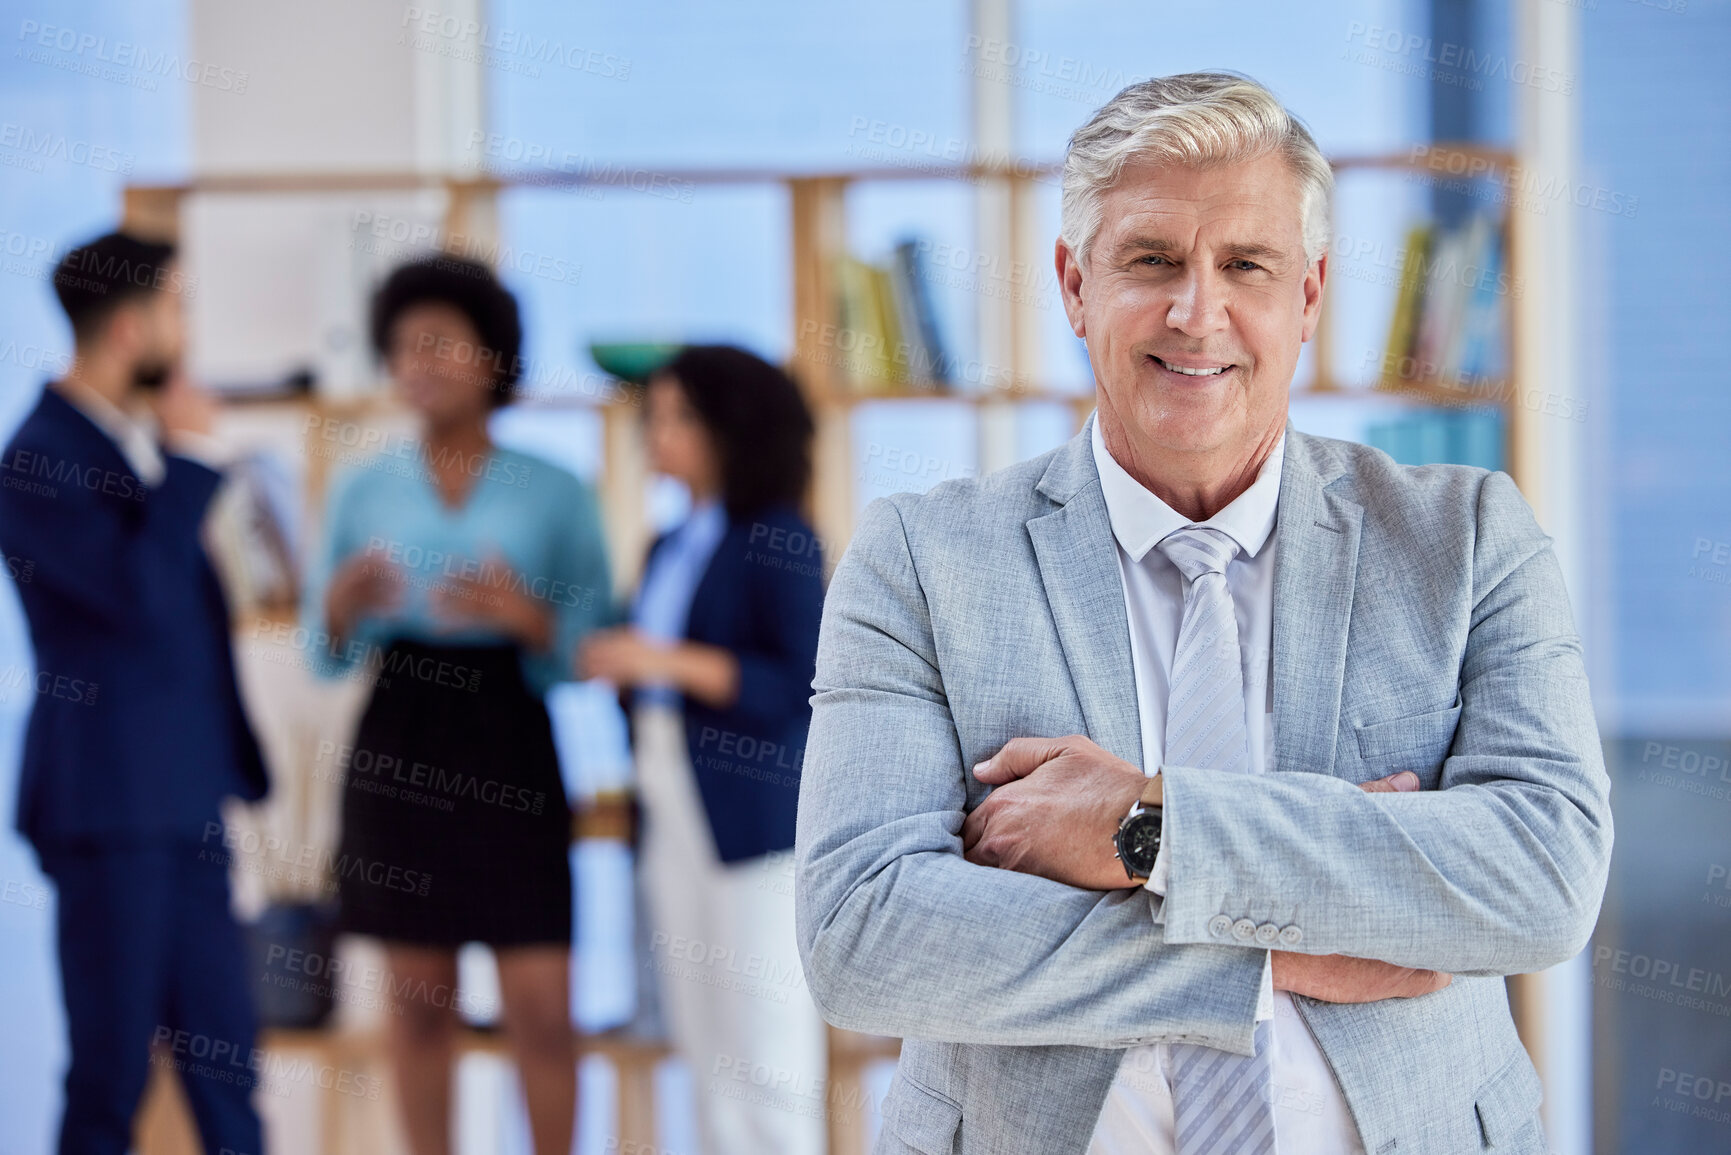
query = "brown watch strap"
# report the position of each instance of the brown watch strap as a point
(1152, 794)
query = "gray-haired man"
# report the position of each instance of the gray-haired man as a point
(1157, 786)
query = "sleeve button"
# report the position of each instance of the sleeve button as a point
(1219, 925)
(1291, 936)
(1244, 930)
(1267, 934)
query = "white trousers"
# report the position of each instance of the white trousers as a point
(723, 952)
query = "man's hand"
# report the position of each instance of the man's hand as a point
(1403, 783)
(1338, 978)
(1057, 805)
(181, 407)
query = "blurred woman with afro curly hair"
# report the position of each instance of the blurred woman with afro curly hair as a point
(459, 576)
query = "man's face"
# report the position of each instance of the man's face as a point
(170, 318)
(1194, 302)
(151, 332)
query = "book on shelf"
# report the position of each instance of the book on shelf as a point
(1481, 334)
(252, 536)
(913, 295)
(888, 336)
(1441, 436)
(1449, 320)
(1406, 304)
(862, 335)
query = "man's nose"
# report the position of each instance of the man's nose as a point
(1199, 307)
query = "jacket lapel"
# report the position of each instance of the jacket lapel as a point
(84, 446)
(1315, 572)
(1078, 559)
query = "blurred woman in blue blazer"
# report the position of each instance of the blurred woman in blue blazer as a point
(718, 661)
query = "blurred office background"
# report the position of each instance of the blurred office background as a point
(791, 175)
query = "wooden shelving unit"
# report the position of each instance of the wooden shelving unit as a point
(1501, 394)
(818, 227)
(817, 221)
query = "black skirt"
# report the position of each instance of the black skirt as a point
(455, 823)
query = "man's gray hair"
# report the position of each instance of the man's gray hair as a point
(1196, 118)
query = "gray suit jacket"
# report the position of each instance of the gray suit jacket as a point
(1420, 623)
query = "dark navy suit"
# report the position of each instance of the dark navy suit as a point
(761, 597)
(136, 735)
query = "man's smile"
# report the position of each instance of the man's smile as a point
(1191, 366)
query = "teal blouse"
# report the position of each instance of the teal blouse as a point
(526, 524)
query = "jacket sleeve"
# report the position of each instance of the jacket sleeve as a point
(775, 674)
(901, 935)
(96, 547)
(1499, 871)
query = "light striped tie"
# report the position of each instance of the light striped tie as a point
(1205, 704)
(1220, 1101)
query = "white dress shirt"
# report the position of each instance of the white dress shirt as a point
(1310, 1116)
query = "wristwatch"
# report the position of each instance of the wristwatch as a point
(1138, 839)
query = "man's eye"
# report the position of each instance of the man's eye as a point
(1244, 266)
(1154, 259)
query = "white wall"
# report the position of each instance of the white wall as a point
(332, 86)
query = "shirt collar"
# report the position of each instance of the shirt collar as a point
(703, 526)
(116, 422)
(1140, 520)
(707, 517)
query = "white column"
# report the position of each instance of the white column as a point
(1547, 366)
(994, 237)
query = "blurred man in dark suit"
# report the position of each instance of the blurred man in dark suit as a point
(137, 731)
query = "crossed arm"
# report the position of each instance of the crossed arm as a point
(898, 932)
(1498, 871)
(1057, 805)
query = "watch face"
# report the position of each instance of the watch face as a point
(1139, 841)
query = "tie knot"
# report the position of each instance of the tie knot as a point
(1197, 550)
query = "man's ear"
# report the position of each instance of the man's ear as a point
(1070, 285)
(1315, 277)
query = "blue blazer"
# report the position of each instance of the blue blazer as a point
(136, 729)
(761, 597)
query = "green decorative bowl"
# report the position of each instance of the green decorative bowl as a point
(633, 361)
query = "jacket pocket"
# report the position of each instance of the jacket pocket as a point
(919, 1118)
(1415, 742)
(1508, 1106)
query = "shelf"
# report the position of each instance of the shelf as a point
(1490, 394)
(980, 397)
(626, 398)
(1425, 156)
(1493, 393)
(611, 174)
(817, 220)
